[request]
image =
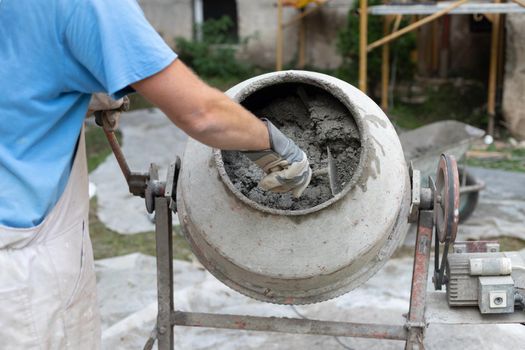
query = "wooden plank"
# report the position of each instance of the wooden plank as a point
(493, 70)
(520, 2)
(279, 39)
(302, 44)
(435, 46)
(467, 9)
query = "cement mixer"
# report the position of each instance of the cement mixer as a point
(347, 224)
(313, 253)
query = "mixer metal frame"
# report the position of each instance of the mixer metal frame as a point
(165, 203)
(160, 198)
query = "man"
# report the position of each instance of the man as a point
(53, 55)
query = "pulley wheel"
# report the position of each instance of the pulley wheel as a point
(446, 199)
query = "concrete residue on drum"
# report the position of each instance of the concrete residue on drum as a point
(315, 120)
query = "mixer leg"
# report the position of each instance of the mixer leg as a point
(163, 237)
(418, 294)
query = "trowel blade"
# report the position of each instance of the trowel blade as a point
(332, 174)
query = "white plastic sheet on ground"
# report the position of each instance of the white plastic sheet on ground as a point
(501, 209)
(127, 293)
(127, 285)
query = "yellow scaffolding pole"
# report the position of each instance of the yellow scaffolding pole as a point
(363, 41)
(279, 38)
(493, 69)
(385, 65)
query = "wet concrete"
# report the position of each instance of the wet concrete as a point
(315, 120)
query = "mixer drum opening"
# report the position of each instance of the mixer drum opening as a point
(319, 124)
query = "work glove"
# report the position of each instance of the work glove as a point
(107, 110)
(103, 102)
(286, 165)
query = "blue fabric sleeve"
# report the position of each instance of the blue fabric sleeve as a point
(114, 46)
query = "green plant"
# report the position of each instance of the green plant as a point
(348, 47)
(108, 243)
(213, 55)
(513, 160)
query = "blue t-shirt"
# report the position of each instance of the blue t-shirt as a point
(53, 55)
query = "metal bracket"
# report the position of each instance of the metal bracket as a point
(461, 247)
(420, 324)
(171, 183)
(137, 183)
(415, 181)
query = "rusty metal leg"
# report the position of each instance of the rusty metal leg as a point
(289, 325)
(163, 236)
(416, 315)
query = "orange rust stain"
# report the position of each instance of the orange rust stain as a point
(240, 324)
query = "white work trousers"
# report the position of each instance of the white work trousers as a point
(47, 280)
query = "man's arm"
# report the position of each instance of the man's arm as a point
(210, 117)
(203, 112)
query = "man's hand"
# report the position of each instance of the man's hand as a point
(285, 164)
(103, 102)
(107, 110)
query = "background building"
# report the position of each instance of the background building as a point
(464, 45)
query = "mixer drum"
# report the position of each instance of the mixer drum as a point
(305, 255)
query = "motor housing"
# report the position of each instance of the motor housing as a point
(491, 280)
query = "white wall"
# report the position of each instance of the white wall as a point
(171, 18)
(258, 20)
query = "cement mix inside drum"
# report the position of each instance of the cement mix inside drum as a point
(315, 120)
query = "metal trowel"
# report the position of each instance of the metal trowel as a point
(331, 171)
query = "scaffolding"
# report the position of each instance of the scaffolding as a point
(392, 17)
